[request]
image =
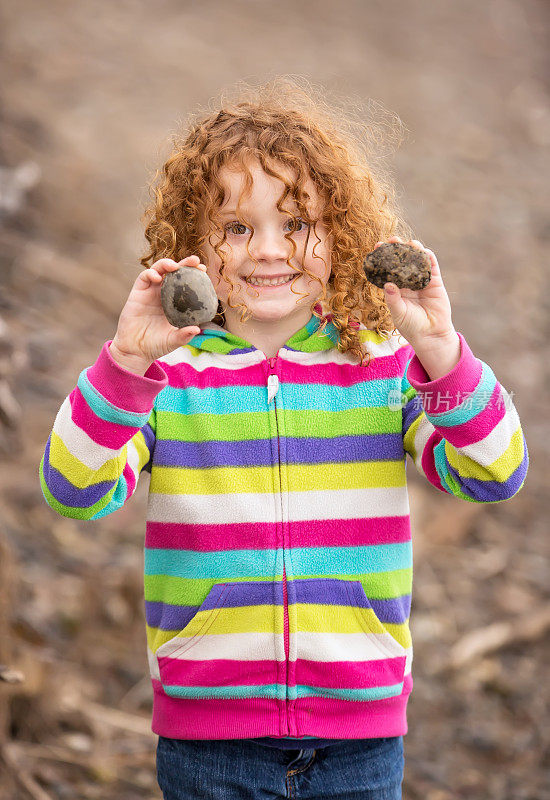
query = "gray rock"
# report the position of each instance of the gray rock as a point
(188, 297)
(402, 264)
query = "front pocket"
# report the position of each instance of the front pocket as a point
(199, 623)
(343, 650)
(371, 624)
(226, 649)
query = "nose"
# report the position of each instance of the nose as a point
(270, 245)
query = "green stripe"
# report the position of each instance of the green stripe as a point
(254, 426)
(192, 591)
(72, 511)
(187, 591)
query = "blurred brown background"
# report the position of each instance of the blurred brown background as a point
(89, 95)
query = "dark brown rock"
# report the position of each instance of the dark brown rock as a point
(188, 297)
(402, 264)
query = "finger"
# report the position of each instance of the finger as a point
(189, 261)
(192, 261)
(433, 258)
(164, 265)
(147, 277)
(153, 275)
(189, 332)
(181, 336)
(395, 302)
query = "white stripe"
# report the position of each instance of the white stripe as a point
(133, 460)
(334, 356)
(487, 450)
(217, 509)
(78, 443)
(206, 360)
(324, 647)
(423, 433)
(327, 646)
(254, 646)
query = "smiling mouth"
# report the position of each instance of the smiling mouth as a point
(269, 283)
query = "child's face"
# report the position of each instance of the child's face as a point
(270, 248)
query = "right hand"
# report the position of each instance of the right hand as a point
(143, 333)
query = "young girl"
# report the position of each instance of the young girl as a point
(278, 555)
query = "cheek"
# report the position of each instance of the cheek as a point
(319, 264)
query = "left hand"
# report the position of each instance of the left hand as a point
(422, 316)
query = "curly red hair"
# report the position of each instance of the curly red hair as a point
(288, 124)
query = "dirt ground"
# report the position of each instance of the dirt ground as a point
(89, 94)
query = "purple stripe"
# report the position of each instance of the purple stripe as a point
(411, 411)
(323, 591)
(149, 437)
(492, 491)
(330, 591)
(68, 494)
(258, 452)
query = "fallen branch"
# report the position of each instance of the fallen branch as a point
(117, 719)
(23, 777)
(525, 628)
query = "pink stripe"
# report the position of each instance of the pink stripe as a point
(403, 354)
(130, 480)
(428, 460)
(259, 716)
(114, 382)
(216, 672)
(462, 379)
(261, 536)
(479, 426)
(350, 674)
(184, 375)
(334, 674)
(107, 434)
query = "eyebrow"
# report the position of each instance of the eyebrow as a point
(232, 211)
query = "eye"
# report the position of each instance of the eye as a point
(294, 225)
(236, 227)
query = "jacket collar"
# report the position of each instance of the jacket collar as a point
(216, 339)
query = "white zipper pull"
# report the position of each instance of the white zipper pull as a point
(272, 387)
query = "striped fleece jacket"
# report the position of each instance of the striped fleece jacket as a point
(278, 553)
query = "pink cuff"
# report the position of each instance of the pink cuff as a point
(120, 386)
(462, 379)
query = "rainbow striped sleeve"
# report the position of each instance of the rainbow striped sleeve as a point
(102, 438)
(462, 430)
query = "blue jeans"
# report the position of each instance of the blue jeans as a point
(240, 769)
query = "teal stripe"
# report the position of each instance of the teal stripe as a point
(120, 495)
(471, 405)
(218, 564)
(350, 560)
(292, 396)
(103, 409)
(278, 691)
(373, 693)
(447, 481)
(275, 691)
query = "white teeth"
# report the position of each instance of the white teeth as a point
(269, 281)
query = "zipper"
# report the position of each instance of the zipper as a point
(272, 389)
